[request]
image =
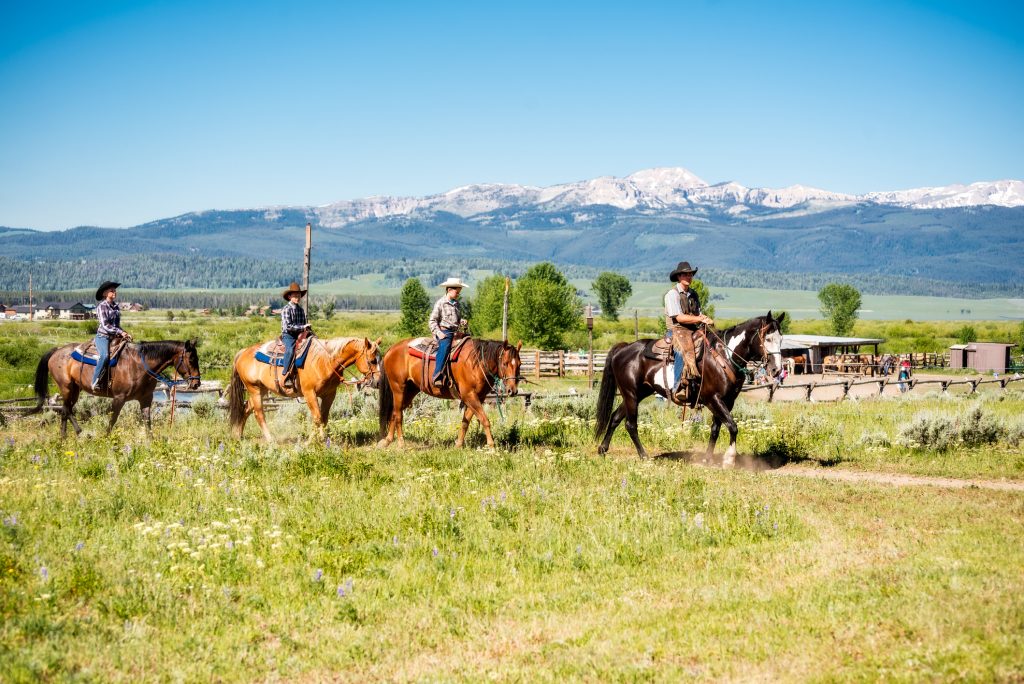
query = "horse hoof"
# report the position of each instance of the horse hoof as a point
(382, 444)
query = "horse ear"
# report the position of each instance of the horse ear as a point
(769, 316)
(366, 343)
(781, 317)
(519, 346)
(377, 342)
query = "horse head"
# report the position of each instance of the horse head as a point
(188, 365)
(368, 362)
(770, 340)
(508, 367)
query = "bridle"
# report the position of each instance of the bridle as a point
(339, 370)
(186, 378)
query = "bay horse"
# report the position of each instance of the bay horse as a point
(481, 367)
(637, 377)
(318, 378)
(133, 378)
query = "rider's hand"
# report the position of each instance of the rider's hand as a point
(128, 338)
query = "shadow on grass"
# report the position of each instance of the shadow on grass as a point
(770, 459)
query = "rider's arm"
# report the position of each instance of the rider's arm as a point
(434, 322)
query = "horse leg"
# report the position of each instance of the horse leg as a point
(467, 417)
(115, 411)
(617, 417)
(326, 402)
(145, 405)
(722, 415)
(67, 412)
(399, 403)
(630, 403)
(474, 406)
(256, 398)
(402, 404)
(309, 393)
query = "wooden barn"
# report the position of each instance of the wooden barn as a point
(814, 348)
(981, 356)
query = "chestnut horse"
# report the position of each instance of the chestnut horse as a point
(482, 367)
(319, 378)
(133, 378)
(638, 377)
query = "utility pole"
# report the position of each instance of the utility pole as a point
(305, 266)
(31, 309)
(636, 323)
(504, 313)
(590, 356)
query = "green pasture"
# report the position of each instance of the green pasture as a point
(189, 556)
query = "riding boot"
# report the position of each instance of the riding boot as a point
(289, 381)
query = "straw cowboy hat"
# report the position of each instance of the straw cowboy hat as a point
(683, 267)
(453, 282)
(294, 287)
(106, 287)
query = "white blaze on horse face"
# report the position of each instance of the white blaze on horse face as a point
(773, 348)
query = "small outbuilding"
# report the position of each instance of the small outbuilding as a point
(981, 356)
(814, 348)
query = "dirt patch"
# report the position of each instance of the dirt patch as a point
(899, 480)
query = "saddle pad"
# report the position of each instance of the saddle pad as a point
(272, 353)
(86, 353)
(418, 348)
(659, 349)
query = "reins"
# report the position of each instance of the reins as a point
(168, 383)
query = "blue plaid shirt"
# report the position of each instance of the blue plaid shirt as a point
(293, 319)
(109, 314)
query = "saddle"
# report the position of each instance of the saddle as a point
(86, 352)
(272, 352)
(426, 347)
(658, 350)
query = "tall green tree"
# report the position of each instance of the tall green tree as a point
(703, 296)
(487, 305)
(839, 304)
(544, 306)
(612, 292)
(415, 306)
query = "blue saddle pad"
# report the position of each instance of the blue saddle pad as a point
(91, 360)
(279, 360)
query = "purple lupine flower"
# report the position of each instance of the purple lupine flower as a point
(220, 447)
(349, 584)
(36, 459)
(394, 540)
(79, 546)
(327, 442)
(698, 520)
(318, 575)
(502, 497)
(435, 552)
(127, 449)
(341, 591)
(10, 441)
(44, 573)
(451, 512)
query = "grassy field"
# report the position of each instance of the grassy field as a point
(192, 557)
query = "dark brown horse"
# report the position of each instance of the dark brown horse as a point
(318, 379)
(133, 378)
(482, 367)
(637, 377)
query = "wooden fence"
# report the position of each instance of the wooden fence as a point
(559, 364)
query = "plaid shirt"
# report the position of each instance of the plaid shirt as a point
(293, 319)
(109, 314)
(445, 316)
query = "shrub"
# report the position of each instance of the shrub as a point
(929, 431)
(977, 428)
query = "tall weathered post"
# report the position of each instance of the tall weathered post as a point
(305, 266)
(31, 309)
(590, 356)
(636, 324)
(504, 313)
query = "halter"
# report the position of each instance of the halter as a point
(368, 376)
(762, 333)
(177, 370)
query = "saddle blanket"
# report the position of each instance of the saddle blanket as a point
(427, 346)
(86, 353)
(273, 352)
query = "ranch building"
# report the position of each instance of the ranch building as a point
(814, 348)
(981, 356)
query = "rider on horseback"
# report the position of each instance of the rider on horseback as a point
(445, 320)
(683, 315)
(109, 315)
(293, 322)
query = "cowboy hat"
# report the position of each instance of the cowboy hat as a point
(294, 287)
(453, 282)
(683, 267)
(104, 288)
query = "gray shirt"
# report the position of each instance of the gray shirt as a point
(445, 317)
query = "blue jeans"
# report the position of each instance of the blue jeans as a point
(677, 361)
(289, 350)
(103, 351)
(444, 345)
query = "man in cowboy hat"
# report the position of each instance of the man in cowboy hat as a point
(109, 315)
(293, 322)
(445, 320)
(682, 316)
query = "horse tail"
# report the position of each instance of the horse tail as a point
(387, 401)
(606, 394)
(236, 399)
(42, 380)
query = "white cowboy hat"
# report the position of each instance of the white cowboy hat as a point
(453, 282)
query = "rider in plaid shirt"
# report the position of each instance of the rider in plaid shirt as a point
(293, 322)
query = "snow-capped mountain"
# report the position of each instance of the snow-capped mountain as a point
(661, 189)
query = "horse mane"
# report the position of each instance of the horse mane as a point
(160, 347)
(336, 344)
(490, 351)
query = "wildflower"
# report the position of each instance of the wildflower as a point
(698, 520)
(44, 573)
(394, 540)
(11, 520)
(327, 442)
(341, 591)
(79, 546)
(451, 512)
(127, 449)
(318, 575)
(435, 552)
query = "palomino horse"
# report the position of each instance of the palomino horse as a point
(482, 367)
(319, 378)
(638, 377)
(133, 378)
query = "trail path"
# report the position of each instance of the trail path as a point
(898, 479)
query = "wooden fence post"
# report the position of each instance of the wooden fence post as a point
(536, 365)
(561, 363)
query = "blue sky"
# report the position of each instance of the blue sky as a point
(117, 113)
